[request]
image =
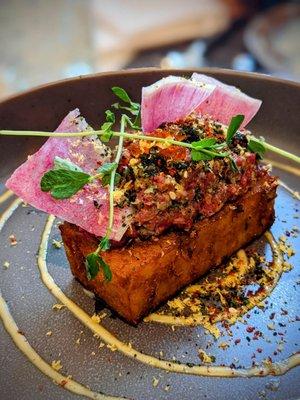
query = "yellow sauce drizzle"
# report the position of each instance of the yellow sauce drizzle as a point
(9, 212)
(5, 196)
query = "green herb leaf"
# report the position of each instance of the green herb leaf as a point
(204, 143)
(130, 123)
(105, 172)
(110, 116)
(256, 147)
(233, 127)
(121, 93)
(106, 270)
(62, 163)
(93, 264)
(133, 108)
(104, 244)
(137, 122)
(107, 126)
(200, 156)
(117, 178)
(63, 183)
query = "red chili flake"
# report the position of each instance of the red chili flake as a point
(63, 382)
(259, 350)
(237, 341)
(257, 335)
(272, 315)
(250, 329)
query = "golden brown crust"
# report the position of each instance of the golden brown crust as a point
(147, 273)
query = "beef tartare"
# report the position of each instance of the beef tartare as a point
(168, 190)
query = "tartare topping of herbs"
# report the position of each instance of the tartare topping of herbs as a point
(183, 171)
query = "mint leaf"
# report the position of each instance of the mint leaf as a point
(93, 264)
(233, 127)
(256, 147)
(62, 163)
(63, 183)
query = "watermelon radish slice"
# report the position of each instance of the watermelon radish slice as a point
(171, 99)
(87, 209)
(226, 101)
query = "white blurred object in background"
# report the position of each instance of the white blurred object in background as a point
(123, 27)
(42, 41)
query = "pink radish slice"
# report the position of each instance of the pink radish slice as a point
(226, 101)
(171, 99)
(87, 209)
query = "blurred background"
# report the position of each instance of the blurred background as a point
(46, 40)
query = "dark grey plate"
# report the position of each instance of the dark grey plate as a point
(101, 369)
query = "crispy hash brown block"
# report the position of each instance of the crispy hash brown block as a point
(147, 273)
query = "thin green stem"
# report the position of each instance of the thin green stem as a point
(277, 150)
(133, 136)
(112, 186)
(112, 179)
